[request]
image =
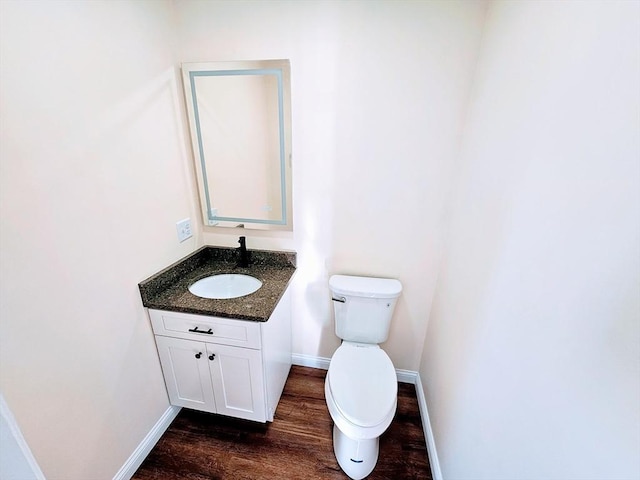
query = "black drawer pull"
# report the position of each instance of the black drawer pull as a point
(341, 299)
(198, 355)
(212, 356)
(195, 330)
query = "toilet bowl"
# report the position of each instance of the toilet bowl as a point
(361, 392)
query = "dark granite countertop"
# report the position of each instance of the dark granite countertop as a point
(169, 288)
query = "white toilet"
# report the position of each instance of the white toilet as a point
(361, 386)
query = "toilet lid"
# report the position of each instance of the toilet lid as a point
(363, 383)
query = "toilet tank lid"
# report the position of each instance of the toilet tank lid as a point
(369, 287)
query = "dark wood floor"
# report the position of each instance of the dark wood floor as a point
(297, 445)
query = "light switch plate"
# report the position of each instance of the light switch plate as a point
(184, 229)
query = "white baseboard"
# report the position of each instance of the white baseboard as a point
(428, 432)
(142, 450)
(404, 376)
(18, 461)
(310, 361)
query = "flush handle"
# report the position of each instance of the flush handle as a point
(341, 299)
(195, 330)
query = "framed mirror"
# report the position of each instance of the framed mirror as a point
(240, 123)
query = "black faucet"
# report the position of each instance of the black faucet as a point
(244, 257)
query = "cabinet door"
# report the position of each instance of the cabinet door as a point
(238, 382)
(185, 365)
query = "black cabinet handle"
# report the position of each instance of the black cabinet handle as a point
(195, 330)
(198, 355)
(212, 356)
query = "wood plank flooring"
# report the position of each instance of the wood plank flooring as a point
(297, 445)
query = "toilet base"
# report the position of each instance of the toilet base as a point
(357, 458)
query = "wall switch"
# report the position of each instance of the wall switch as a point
(184, 229)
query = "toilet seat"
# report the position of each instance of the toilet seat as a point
(363, 384)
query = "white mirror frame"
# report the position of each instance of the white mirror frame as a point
(281, 70)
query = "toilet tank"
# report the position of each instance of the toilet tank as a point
(363, 307)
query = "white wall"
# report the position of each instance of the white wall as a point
(531, 359)
(378, 92)
(93, 178)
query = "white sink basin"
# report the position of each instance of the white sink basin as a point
(227, 285)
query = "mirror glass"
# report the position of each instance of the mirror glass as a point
(240, 122)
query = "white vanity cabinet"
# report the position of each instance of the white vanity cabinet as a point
(221, 365)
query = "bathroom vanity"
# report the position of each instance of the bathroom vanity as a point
(225, 356)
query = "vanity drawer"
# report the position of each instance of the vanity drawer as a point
(226, 331)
